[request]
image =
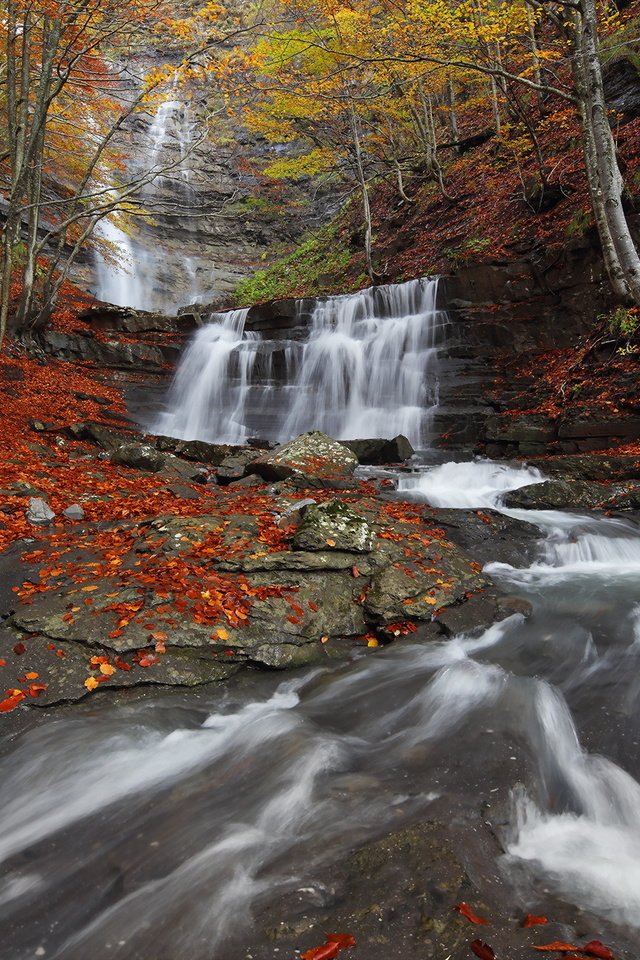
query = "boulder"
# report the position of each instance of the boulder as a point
(39, 511)
(74, 512)
(198, 450)
(236, 466)
(139, 456)
(312, 454)
(560, 495)
(96, 433)
(378, 451)
(592, 466)
(294, 513)
(336, 525)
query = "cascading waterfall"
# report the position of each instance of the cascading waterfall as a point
(138, 275)
(366, 368)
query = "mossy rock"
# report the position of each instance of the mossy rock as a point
(335, 525)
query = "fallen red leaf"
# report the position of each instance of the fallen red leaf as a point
(595, 948)
(9, 704)
(355, 572)
(326, 952)
(344, 940)
(531, 920)
(559, 946)
(465, 910)
(19, 648)
(483, 950)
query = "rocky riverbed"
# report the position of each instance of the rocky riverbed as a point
(270, 559)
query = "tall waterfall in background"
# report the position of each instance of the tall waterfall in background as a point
(138, 277)
(365, 367)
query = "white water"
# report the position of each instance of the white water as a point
(367, 367)
(134, 272)
(479, 483)
(159, 829)
(581, 833)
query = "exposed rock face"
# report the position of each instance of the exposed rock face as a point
(376, 452)
(511, 310)
(565, 494)
(312, 454)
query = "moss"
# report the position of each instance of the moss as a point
(320, 264)
(622, 42)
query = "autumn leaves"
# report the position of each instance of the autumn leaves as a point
(565, 951)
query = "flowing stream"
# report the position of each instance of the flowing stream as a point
(154, 830)
(365, 365)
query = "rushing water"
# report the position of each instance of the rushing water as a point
(135, 272)
(154, 830)
(366, 367)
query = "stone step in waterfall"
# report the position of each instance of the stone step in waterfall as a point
(358, 365)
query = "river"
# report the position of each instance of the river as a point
(156, 828)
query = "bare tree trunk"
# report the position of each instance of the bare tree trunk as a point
(535, 53)
(606, 184)
(453, 112)
(364, 187)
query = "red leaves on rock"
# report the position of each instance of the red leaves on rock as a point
(336, 942)
(483, 950)
(327, 951)
(148, 660)
(10, 703)
(344, 940)
(465, 911)
(19, 649)
(595, 948)
(531, 920)
(558, 945)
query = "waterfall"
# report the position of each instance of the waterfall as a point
(365, 367)
(138, 277)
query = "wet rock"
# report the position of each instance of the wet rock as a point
(74, 512)
(626, 497)
(480, 612)
(39, 511)
(236, 466)
(336, 525)
(534, 428)
(313, 454)
(139, 456)
(404, 590)
(396, 893)
(102, 436)
(379, 451)
(210, 453)
(560, 495)
(489, 536)
(591, 467)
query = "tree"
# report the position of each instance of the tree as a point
(64, 110)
